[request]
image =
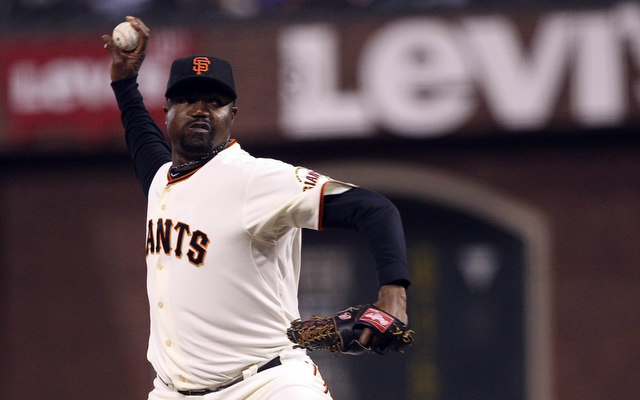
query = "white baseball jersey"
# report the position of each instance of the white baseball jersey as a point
(223, 262)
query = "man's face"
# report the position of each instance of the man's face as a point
(198, 122)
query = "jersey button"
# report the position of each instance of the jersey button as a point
(160, 305)
(182, 378)
(167, 343)
(163, 207)
(160, 266)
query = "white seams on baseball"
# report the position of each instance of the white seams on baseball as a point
(125, 36)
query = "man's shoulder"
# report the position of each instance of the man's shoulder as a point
(236, 153)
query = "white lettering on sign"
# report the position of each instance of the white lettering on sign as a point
(67, 84)
(598, 83)
(309, 91)
(414, 79)
(520, 87)
(58, 86)
(423, 77)
(64, 85)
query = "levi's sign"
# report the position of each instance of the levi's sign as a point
(58, 90)
(428, 76)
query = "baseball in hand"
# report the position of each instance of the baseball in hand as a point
(125, 36)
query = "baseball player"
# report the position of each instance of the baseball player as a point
(223, 239)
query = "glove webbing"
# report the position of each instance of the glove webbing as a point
(316, 333)
(404, 336)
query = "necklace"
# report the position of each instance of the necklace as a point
(190, 165)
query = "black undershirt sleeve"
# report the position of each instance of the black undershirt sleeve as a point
(147, 144)
(378, 220)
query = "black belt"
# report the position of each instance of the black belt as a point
(201, 392)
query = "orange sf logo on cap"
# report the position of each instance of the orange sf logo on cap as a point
(200, 65)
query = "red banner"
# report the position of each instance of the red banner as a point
(57, 90)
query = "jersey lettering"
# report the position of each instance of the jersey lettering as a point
(150, 240)
(311, 180)
(308, 178)
(164, 236)
(182, 228)
(198, 243)
(160, 238)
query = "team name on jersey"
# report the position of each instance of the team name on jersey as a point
(165, 236)
(307, 177)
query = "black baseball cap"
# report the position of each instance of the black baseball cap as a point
(199, 72)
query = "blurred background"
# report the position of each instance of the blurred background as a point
(505, 131)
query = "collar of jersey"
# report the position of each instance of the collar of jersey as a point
(171, 179)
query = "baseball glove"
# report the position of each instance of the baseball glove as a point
(340, 333)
